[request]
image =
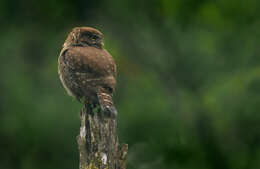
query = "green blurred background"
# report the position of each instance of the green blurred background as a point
(188, 82)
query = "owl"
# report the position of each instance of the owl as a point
(86, 70)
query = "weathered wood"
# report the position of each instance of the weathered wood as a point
(98, 142)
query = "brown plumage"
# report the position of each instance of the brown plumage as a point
(87, 71)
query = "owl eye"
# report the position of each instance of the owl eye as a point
(94, 37)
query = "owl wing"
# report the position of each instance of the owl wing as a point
(93, 72)
(95, 62)
(90, 69)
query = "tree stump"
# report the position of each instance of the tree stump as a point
(98, 142)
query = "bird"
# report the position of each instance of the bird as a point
(87, 70)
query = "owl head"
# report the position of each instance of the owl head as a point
(85, 36)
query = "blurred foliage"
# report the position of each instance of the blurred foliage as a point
(188, 82)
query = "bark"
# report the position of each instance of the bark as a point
(98, 142)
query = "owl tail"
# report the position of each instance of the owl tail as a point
(106, 104)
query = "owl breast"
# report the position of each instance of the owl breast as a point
(63, 75)
(65, 86)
